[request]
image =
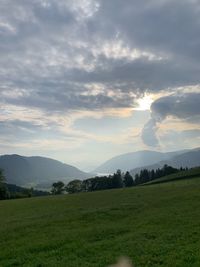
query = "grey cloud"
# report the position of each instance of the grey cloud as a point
(161, 26)
(183, 106)
(26, 131)
(141, 74)
(180, 139)
(50, 53)
(61, 99)
(179, 136)
(19, 129)
(148, 134)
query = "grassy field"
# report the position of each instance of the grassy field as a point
(155, 225)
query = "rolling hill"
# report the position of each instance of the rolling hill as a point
(182, 175)
(39, 172)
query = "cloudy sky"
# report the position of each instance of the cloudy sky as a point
(84, 80)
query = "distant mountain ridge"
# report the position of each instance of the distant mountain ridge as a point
(133, 160)
(41, 172)
(35, 171)
(188, 159)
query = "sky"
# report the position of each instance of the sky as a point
(85, 80)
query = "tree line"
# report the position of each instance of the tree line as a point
(146, 175)
(117, 180)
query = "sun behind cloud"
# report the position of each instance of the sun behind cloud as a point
(145, 102)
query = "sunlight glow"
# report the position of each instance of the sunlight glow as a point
(144, 103)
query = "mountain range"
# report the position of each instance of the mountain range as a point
(188, 159)
(140, 159)
(41, 172)
(38, 172)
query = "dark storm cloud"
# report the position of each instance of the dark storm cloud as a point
(50, 51)
(183, 106)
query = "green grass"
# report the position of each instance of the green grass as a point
(189, 174)
(155, 225)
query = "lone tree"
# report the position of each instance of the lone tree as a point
(128, 180)
(58, 188)
(3, 188)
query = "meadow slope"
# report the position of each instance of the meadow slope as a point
(155, 225)
(181, 175)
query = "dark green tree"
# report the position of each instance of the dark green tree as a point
(2, 177)
(128, 179)
(117, 179)
(74, 186)
(144, 176)
(3, 188)
(137, 179)
(28, 192)
(152, 175)
(169, 170)
(58, 188)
